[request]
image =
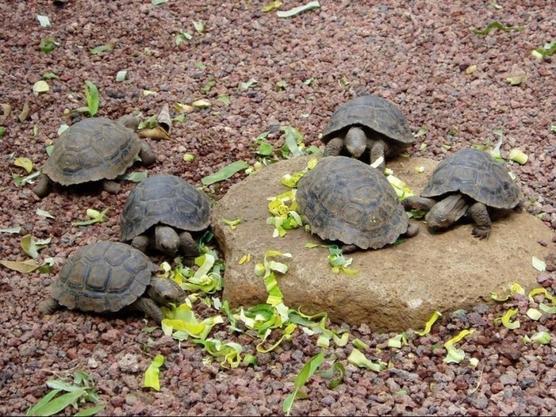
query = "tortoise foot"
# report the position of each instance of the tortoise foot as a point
(111, 187)
(42, 189)
(481, 232)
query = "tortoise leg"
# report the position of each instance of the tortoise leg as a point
(166, 240)
(141, 242)
(130, 121)
(188, 246)
(111, 187)
(418, 203)
(378, 153)
(350, 248)
(412, 230)
(356, 141)
(146, 154)
(333, 147)
(446, 212)
(42, 189)
(48, 306)
(149, 307)
(479, 214)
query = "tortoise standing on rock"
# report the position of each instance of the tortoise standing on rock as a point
(368, 123)
(157, 207)
(108, 276)
(94, 149)
(347, 200)
(469, 183)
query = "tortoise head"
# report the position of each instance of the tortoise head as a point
(166, 240)
(165, 291)
(446, 212)
(355, 141)
(130, 121)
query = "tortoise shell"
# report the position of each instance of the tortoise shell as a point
(102, 277)
(164, 199)
(372, 112)
(91, 150)
(347, 200)
(475, 174)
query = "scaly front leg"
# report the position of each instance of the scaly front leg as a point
(377, 152)
(479, 214)
(333, 147)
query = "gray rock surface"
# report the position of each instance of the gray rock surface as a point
(397, 287)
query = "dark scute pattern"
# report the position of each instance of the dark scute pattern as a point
(476, 174)
(103, 276)
(164, 199)
(374, 113)
(347, 200)
(91, 150)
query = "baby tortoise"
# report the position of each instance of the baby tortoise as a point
(94, 149)
(368, 123)
(347, 200)
(108, 276)
(161, 211)
(469, 183)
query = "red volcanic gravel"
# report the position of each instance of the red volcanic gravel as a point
(420, 55)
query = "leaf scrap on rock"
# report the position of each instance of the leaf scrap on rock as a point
(455, 355)
(224, 173)
(24, 163)
(102, 49)
(151, 379)
(47, 45)
(232, 223)
(297, 10)
(121, 75)
(94, 216)
(136, 176)
(40, 86)
(44, 21)
(25, 267)
(506, 319)
(304, 375)
(538, 264)
(271, 6)
(495, 25)
(546, 51)
(428, 325)
(32, 247)
(357, 358)
(339, 262)
(93, 97)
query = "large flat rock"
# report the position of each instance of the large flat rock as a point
(397, 287)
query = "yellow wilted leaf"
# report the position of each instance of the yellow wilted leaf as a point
(517, 289)
(245, 259)
(507, 317)
(429, 323)
(24, 163)
(152, 373)
(232, 223)
(24, 267)
(456, 355)
(154, 133)
(201, 104)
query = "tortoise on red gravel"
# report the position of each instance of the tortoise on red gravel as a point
(158, 206)
(108, 276)
(469, 183)
(368, 123)
(347, 200)
(94, 149)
